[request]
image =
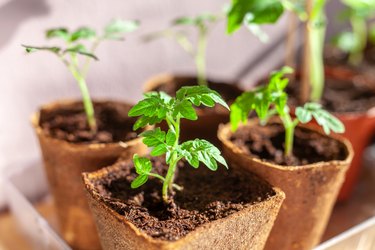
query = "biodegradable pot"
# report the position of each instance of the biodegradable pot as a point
(245, 229)
(208, 119)
(310, 190)
(65, 161)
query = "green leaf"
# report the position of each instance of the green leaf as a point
(145, 107)
(139, 181)
(324, 118)
(240, 109)
(202, 151)
(200, 95)
(142, 165)
(170, 138)
(58, 33)
(184, 21)
(253, 11)
(346, 41)
(82, 33)
(117, 28)
(80, 49)
(159, 150)
(371, 34)
(30, 49)
(185, 109)
(154, 137)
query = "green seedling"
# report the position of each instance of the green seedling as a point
(202, 23)
(75, 46)
(354, 42)
(157, 107)
(271, 100)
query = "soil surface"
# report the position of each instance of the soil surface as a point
(70, 123)
(341, 95)
(229, 92)
(207, 196)
(267, 143)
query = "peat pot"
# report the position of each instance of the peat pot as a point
(311, 189)
(64, 161)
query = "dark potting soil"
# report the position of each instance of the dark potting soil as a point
(341, 95)
(70, 123)
(267, 143)
(207, 196)
(229, 92)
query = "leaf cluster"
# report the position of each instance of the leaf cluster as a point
(157, 107)
(271, 100)
(115, 30)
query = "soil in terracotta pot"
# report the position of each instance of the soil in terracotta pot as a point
(207, 196)
(70, 124)
(267, 143)
(228, 92)
(341, 95)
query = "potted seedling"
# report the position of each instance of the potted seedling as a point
(335, 90)
(210, 118)
(159, 202)
(303, 161)
(78, 136)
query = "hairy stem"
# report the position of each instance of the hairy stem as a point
(169, 178)
(360, 34)
(200, 57)
(87, 102)
(289, 125)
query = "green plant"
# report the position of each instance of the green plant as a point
(354, 42)
(197, 51)
(157, 107)
(74, 46)
(271, 100)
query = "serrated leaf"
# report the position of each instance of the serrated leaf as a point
(198, 150)
(159, 150)
(142, 165)
(82, 33)
(145, 107)
(58, 33)
(170, 138)
(154, 137)
(195, 94)
(80, 49)
(139, 181)
(186, 110)
(117, 28)
(303, 115)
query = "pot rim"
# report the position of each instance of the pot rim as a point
(89, 177)
(35, 123)
(225, 131)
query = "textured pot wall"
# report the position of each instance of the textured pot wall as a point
(310, 190)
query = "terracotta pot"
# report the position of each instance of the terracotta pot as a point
(310, 190)
(359, 129)
(64, 162)
(246, 229)
(208, 119)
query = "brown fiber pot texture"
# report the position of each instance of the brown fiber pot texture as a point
(208, 119)
(310, 190)
(246, 229)
(64, 162)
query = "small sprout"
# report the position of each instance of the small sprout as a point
(354, 42)
(157, 107)
(271, 100)
(74, 46)
(202, 23)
